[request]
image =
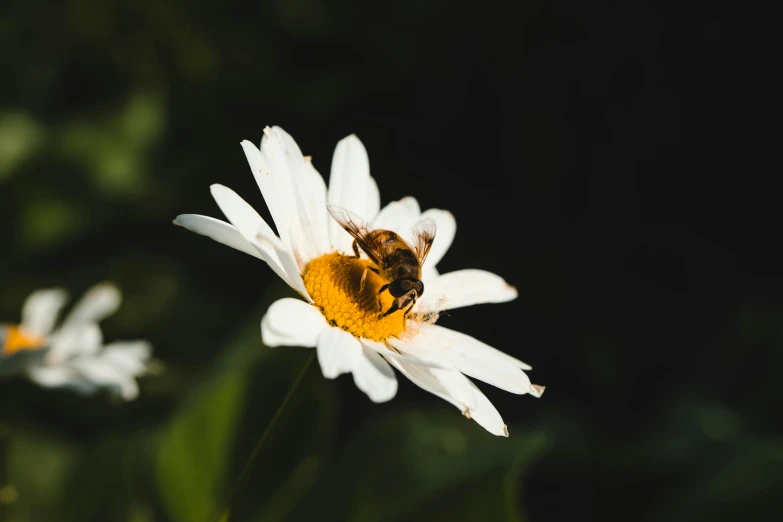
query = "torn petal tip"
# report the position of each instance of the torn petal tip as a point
(505, 430)
(466, 413)
(536, 390)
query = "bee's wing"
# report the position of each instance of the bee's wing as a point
(358, 229)
(423, 236)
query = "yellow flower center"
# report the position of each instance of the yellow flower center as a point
(348, 294)
(16, 340)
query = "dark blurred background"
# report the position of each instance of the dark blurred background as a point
(585, 151)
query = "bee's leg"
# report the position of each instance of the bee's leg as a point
(373, 270)
(362, 282)
(355, 248)
(393, 308)
(382, 290)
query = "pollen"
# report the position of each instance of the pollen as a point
(349, 295)
(17, 340)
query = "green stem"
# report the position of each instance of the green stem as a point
(223, 514)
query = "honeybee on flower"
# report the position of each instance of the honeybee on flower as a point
(72, 354)
(392, 259)
(370, 289)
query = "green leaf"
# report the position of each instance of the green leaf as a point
(194, 450)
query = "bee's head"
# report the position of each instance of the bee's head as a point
(401, 287)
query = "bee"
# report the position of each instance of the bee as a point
(395, 260)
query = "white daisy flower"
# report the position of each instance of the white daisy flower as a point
(73, 354)
(314, 255)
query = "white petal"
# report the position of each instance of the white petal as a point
(306, 212)
(536, 390)
(468, 355)
(103, 373)
(318, 186)
(139, 350)
(243, 216)
(319, 218)
(448, 384)
(454, 383)
(388, 352)
(412, 205)
(455, 388)
(485, 350)
(486, 415)
(351, 188)
(277, 190)
(270, 169)
(291, 322)
(336, 350)
(99, 302)
(446, 229)
(399, 216)
(228, 235)
(464, 288)
(76, 340)
(218, 230)
(271, 247)
(59, 376)
(129, 389)
(97, 370)
(373, 205)
(428, 274)
(40, 311)
(310, 192)
(373, 375)
(255, 230)
(130, 357)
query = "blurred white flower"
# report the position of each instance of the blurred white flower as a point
(308, 253)
(72, 355)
